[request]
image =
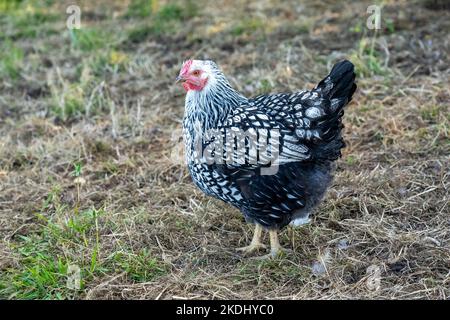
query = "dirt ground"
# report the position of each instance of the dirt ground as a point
(96, 203)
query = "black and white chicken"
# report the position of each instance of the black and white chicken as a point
(271, 156)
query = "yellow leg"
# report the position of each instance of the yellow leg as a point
(256, 243)
(275, 248)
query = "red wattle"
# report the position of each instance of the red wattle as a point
(191, 86)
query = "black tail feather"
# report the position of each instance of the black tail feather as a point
(339, 87)
(340, 83)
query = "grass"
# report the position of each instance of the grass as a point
(89, 39)
(141, 8)
(43, 271)
(368, 59)
(86, 95)
(68, 237)
(140, 266)
(70, 105)
(11, 60)
(27, 19)
(247, 26)
(91, 180)
(165, 20)
(42, 277)
(265, 86)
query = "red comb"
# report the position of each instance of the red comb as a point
(186, 66)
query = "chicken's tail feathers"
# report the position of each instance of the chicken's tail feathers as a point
(340, 83)
(338, 87)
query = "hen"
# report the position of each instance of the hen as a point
(271, 156)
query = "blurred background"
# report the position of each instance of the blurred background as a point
(95, 201)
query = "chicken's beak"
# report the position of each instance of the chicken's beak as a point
(178, 79)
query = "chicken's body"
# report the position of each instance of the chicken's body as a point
(227, 138)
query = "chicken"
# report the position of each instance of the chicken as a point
(271, 156)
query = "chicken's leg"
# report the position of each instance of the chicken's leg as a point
(275, 248)
(256, 241)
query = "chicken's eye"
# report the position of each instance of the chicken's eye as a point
(196, 73)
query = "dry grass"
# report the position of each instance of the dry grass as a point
(89, 170)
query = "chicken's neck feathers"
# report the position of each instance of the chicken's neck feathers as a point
(207, 108)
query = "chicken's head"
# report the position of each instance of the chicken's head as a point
(197, 74)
